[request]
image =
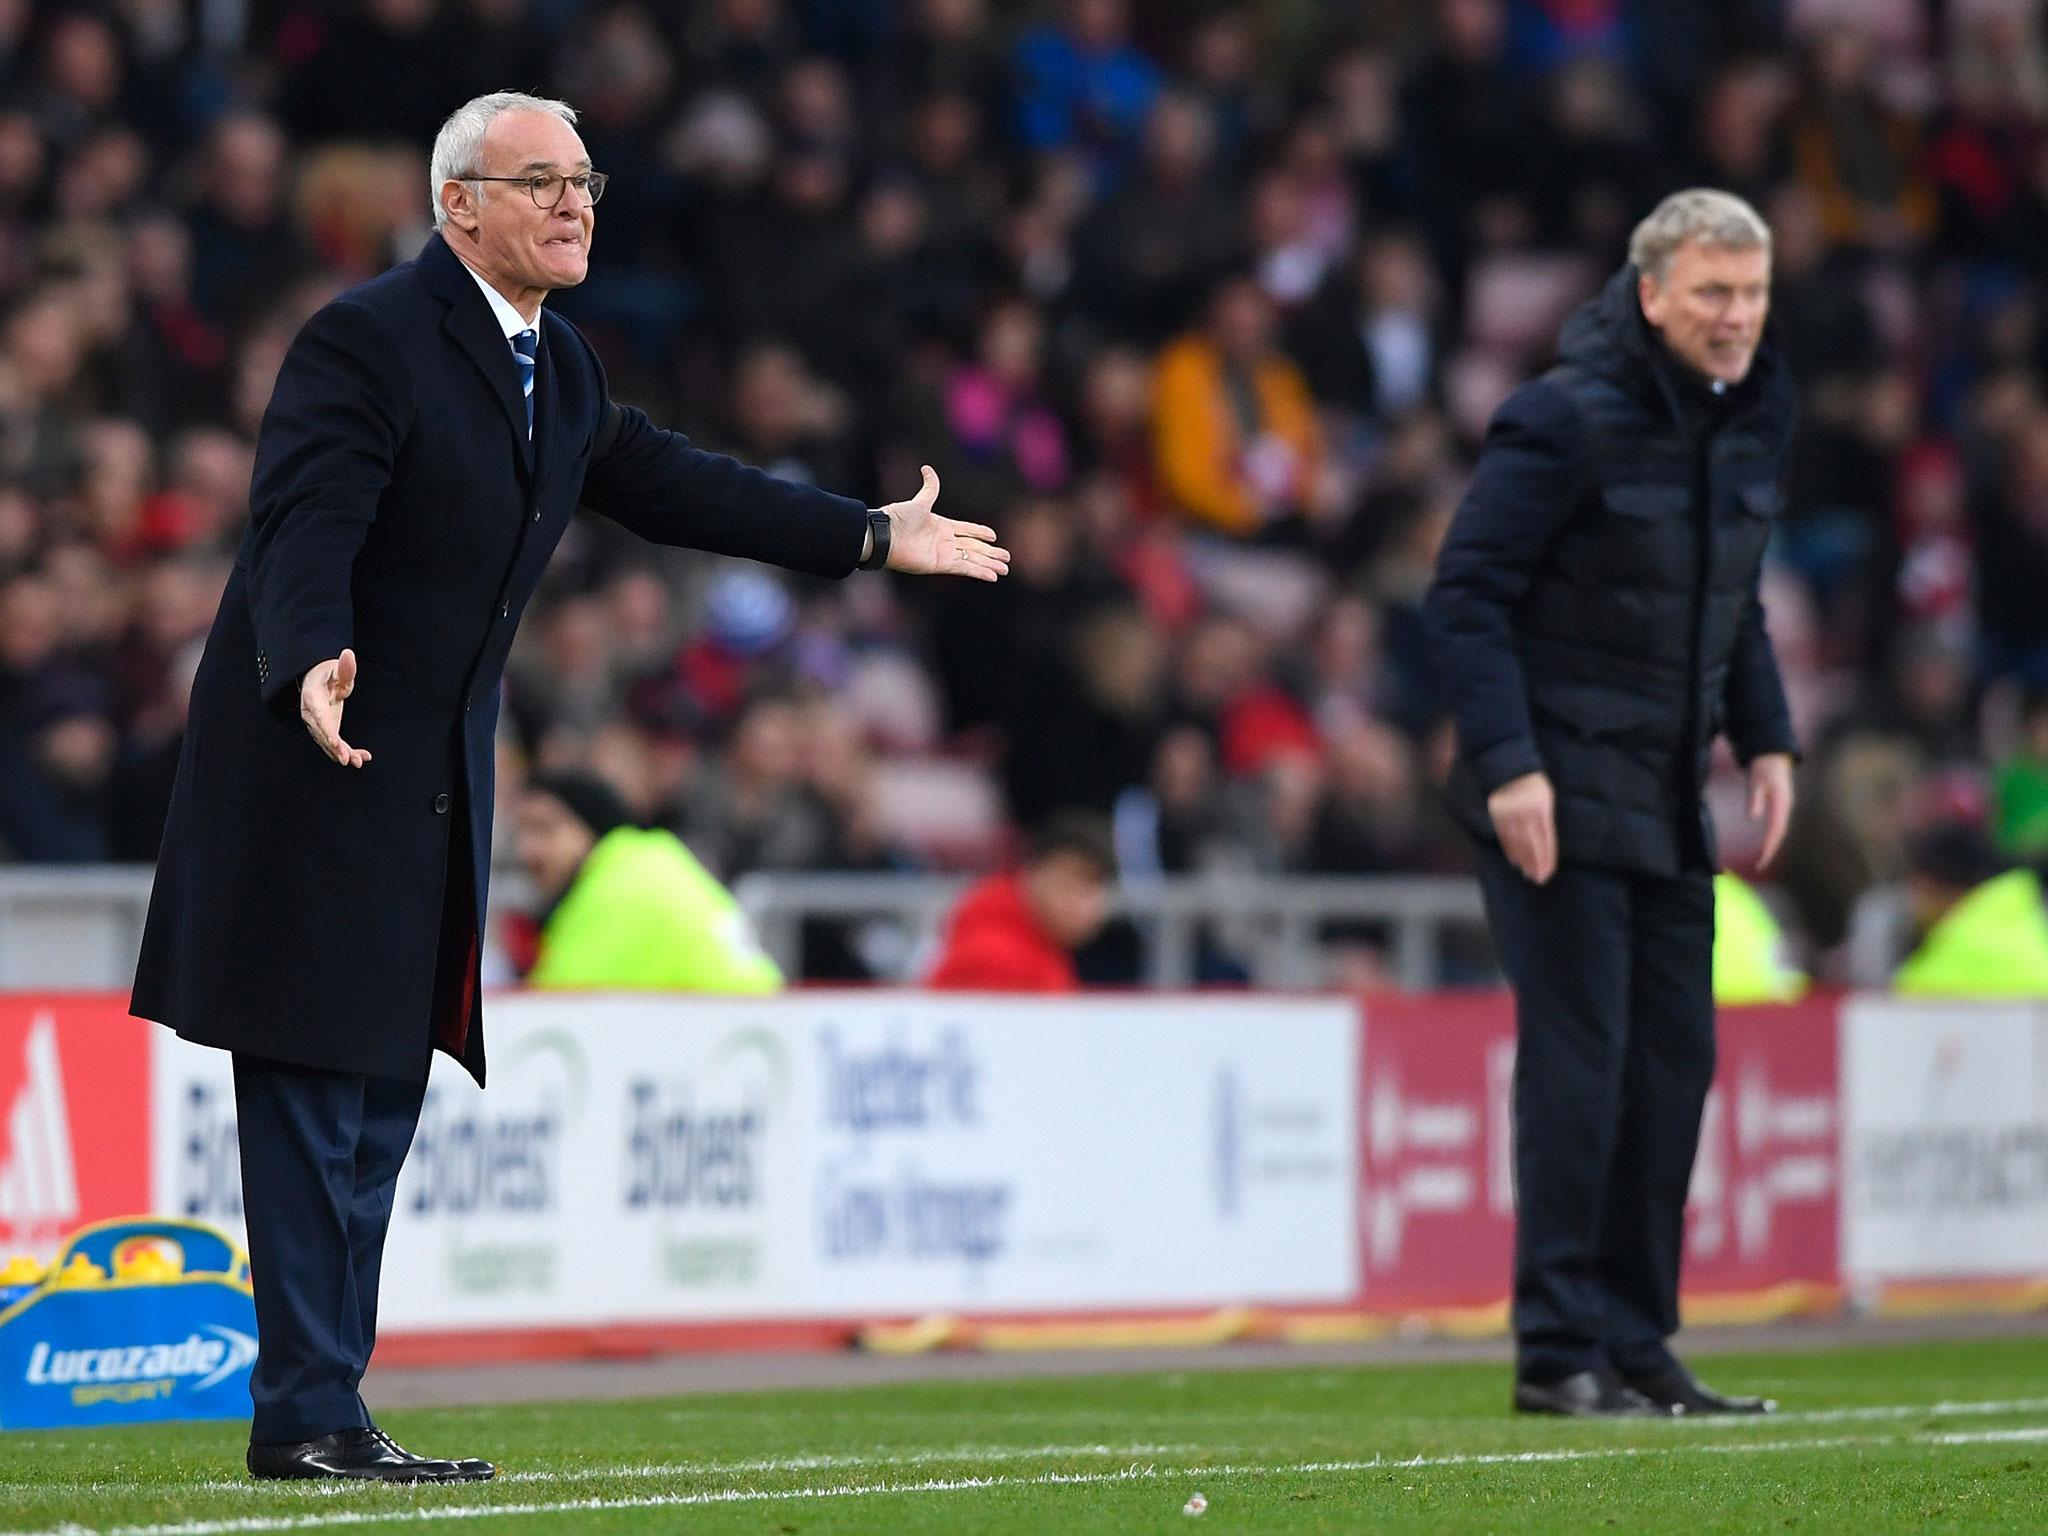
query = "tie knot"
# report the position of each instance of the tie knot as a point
(527, 344)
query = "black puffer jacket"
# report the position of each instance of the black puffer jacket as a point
(1595, 608)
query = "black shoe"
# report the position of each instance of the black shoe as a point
(474, 1469)
(1676, 1388)
(362, 1453)
(1588, 1395)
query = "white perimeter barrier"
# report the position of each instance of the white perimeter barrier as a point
(832, 1155)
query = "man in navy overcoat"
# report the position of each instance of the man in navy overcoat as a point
(320, 886)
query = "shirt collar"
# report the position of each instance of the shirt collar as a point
(510, 321)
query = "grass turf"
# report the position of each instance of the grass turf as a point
(1928, 1437)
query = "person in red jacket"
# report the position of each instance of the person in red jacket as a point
(1017, 932)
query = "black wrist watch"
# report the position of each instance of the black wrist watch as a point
(878, 532)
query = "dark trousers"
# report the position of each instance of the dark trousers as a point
(320, 1158)
(1614, 1019)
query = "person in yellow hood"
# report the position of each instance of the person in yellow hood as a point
(1984, 925)
(627, 909)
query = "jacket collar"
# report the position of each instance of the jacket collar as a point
(1608, 336)
(468, 319)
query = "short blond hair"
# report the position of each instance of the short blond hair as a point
(1704, 214)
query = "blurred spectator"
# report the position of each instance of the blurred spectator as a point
(244, 246)
(758, 813)
(625, 909)
(381, 70)
(1238, 446)
(2011, 535)
(1017, 932)
(1001, 435)
(1083, 87)
(2022, 792)
(1146, 253)
(1857, 155)
(1369, 818)
(53, 797)
(953, 47)
(1368, 344)
(1085, 730)
(1467, 123)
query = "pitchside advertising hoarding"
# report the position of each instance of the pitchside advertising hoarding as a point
(1945, 1164)
(74, 1117)
(1437, 1196)
(837, 1155)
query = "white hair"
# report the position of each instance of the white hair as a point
(460, 143)
(1704, 214)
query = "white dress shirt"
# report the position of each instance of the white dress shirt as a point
(510, 321)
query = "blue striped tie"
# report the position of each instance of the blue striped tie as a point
(526, 347)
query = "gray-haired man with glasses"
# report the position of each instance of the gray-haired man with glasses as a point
(318, 896)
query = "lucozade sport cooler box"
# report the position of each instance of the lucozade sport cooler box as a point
(128, 1347)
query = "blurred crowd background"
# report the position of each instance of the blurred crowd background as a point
(1203, 306)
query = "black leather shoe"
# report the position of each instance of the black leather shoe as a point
(1588, 1395)
(361, 1453)
(474, 1469)
(1677, 1388)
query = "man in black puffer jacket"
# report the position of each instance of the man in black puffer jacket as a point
(1596, 618)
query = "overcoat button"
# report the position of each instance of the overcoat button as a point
(440, 805)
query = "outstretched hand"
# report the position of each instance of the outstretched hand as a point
(921, 543)
(321, 694)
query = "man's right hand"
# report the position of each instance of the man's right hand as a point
(1524, 813)
(321, 692)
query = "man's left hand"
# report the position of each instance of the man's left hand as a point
(921, 543)
(1770, 800)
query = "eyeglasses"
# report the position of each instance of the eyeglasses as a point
(548, 187)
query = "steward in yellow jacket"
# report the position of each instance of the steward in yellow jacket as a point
(1749, 948)
(1986, 932)
(630, 910)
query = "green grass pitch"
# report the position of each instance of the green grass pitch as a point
(1927, 1437)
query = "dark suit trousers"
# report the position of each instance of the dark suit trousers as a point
(1614, 1020)
(320, 1158)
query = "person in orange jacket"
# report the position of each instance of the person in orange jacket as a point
(1017, 932)
(1234, 427)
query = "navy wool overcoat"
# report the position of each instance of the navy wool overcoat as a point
(328, 916)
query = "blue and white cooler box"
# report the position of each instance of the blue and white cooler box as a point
(168, 1333)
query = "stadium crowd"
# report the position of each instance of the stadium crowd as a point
(1203, 306)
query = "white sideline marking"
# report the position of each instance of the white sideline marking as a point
(1985, 1436)
(819, 1462)
(1888, 1411)
(234, 1526)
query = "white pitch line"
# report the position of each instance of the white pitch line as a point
(843, 1461)
(1856, 1415)
(1989, 1436)
(240, 1526)
(820, 1462)
(878, 1461)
